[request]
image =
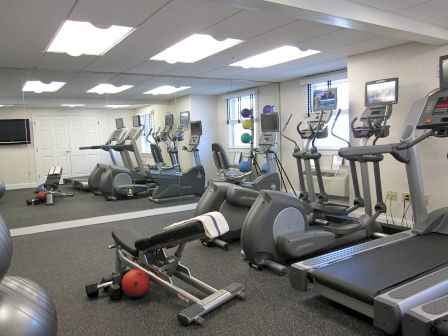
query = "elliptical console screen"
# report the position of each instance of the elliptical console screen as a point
(184, 118)
(381, 92)
(325, 99)
(119, 123)
(169, 119)
(136, 121)
(196, 128)
(269, 122)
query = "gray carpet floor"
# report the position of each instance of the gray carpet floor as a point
(82, 205)
(64, 261)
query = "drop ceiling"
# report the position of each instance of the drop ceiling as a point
(344, 28)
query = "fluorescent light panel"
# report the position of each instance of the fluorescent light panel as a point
(274, 57)
(166, 89)
(72, 105)
(83, 38)
(39, 87)
(117, 106)
(109, 88)
(194, 48)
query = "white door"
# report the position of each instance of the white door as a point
(57, 141)
(52, 146)
(84, 131)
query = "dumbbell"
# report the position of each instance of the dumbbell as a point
(110, 285)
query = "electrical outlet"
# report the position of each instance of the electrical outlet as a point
(406, 196)
(392, 195)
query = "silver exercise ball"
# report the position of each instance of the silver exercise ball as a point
(5, 248)
(2, 188)
(26, 309)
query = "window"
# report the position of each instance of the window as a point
(146, 138)
(235, 120)
(342, 128)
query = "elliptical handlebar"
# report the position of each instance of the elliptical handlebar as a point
(148, 135)
(337, 136)
(285, 136)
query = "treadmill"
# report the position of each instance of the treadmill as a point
(385, 278)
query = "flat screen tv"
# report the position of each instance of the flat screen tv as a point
(14, 131)
(325, 99)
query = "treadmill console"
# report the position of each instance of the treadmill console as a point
(435, 112)
(268, 139)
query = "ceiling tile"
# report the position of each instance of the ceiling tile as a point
(390, 5)
(430, 11)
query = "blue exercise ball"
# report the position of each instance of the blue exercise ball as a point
(246, 113)
(2, 188)
(265, 168)
(268, 109)
(245, 166)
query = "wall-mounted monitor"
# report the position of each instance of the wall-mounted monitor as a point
(381, 92)
(325, 99)
(184, 118)
(196, 128)
(269, 122)
(443, 72)
(14, 131)
(136, 121)
(119, 123)
(169, 119)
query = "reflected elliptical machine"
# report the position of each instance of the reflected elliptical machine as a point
(178, 184)
(234, 201)
(123, 182)
(400, 281)
(281, 227)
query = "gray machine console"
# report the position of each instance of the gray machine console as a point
(435, 112)
(269, 129)
(196, 132)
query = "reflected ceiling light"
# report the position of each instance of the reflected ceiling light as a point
(6, 105)
(108, 88)
(83, 38)
(166, 89)
(39, 87)
(194, 48)
(72, 105)
(117, 106)
(274, 57)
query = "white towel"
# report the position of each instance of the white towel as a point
(214, 224)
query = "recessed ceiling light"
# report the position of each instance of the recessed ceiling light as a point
(166, 89)
(72, 105)
(194, 48)
(6, 105)
(109, 88)
(39, 87)
(117, 106)
(77, 38)
(273, 57)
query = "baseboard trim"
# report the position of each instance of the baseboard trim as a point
(21, 186)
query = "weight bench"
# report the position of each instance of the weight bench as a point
(149, 254)
(51, 185)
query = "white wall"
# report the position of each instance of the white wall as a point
(204, 108)
(416, 66)
(18, 163)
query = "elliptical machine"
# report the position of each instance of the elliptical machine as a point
(122, 182)
(182, 184)
(156, 151)
(280, 227)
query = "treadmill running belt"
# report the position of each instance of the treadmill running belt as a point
(364, 275)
